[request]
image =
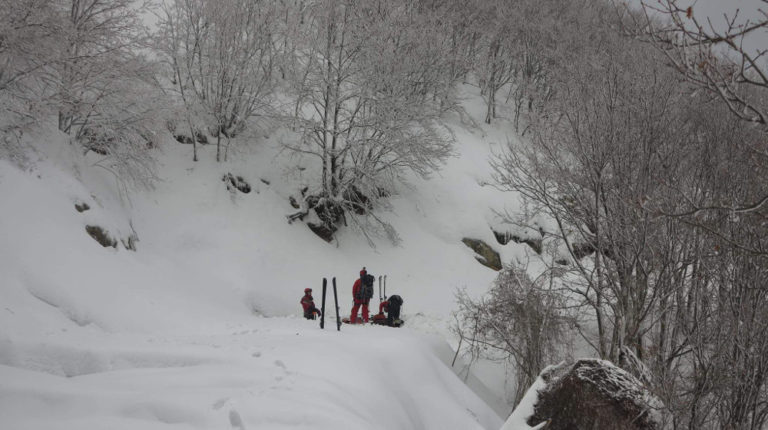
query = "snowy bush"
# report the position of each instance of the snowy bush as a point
(519, 321)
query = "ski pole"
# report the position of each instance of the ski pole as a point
(336, 300)
(322, 316)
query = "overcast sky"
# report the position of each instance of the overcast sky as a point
(715, 10)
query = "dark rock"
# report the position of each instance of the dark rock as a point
(594, 394)
(582, 249)
(236, 183)
(329, 212)
(181, 138)
(504, 238)
(187, 139)
(325, 232)
(264, 181)
(294, 204)
(487, 256)
(360, 202)
(101, 235)
(82, 207)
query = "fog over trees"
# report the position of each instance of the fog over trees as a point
(643, 131)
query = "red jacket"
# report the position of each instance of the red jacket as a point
(356, 290)
(307, 302)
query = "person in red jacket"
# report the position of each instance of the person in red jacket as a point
(359, 298)
(308, 303)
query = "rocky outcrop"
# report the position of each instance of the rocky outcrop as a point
(323, 216)
(81, 207)
(504, 238)
(105, 239)
(486, 255)
(594, 394)
(236, 183)
(101, 235)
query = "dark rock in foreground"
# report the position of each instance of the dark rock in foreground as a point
(596, 395)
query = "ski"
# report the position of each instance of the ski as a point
(385, 287)
(322, 310)
(380, 300)
(336, 300)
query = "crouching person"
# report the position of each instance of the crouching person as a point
(308, 303)
(392, 308)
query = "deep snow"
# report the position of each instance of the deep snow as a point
(201, 327)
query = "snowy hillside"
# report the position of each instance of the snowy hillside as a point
(201, 327)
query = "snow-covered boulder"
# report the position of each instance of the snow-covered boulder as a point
(589, 394)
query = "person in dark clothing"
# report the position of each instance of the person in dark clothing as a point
(392, 308)
(308, 303)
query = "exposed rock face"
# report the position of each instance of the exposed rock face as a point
(105, 239)
(236, 183)
(323, 216)
(323, 231)
(82, 207)
(101, 235)
(486, 255)
(594, 394)
(504, 238)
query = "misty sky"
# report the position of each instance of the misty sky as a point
(715, 10)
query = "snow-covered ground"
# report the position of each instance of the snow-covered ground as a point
(262, 373)
(201, 327)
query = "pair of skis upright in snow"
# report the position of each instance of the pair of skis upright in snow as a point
(385, 289)
(336, 301)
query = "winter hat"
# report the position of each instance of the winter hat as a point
(307, 290)
(363, 272)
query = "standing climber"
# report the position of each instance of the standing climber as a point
(308, 303)
(362, 292)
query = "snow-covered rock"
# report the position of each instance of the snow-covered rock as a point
(588, 394)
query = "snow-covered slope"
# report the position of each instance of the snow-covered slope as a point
(266, 373)
(201, 326)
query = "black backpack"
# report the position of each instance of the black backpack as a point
(395, 302)
(366, 289)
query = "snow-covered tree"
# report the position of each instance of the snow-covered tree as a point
(83, 60)
(220, 57)
(364, 104)
(521, 320)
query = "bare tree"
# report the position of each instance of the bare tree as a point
(364, 109)
(101, 41)
(29, 46)
(82, 59)
(716, 59)
(221, 61)
(521, 320)
(712, 57)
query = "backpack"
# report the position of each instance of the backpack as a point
(366, 287)
(395, 301)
